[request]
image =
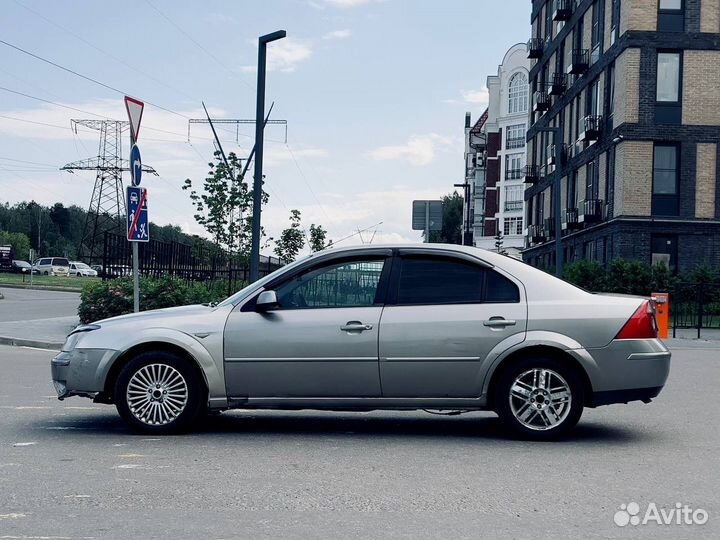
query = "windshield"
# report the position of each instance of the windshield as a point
(22, 264)
(82, 265)
(246, 291)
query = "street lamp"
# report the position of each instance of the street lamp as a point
(259, 134)
(558, 138)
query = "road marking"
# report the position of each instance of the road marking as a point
(76, 496)
(14, 515)
(126, 466)
(38, 349)
(130, 455)
(24, 443)
(23, 407)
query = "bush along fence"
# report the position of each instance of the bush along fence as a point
(694, 295)
(196, 263)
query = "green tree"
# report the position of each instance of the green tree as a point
(452, 219)
(224, 205)
(19, 241)
(291, 240)
(317, 238)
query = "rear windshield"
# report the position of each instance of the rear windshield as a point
(58, 261)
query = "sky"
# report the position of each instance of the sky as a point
(374, 93)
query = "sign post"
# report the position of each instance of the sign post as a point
(136, 202)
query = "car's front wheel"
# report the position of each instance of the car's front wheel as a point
(159, 392)
(539, 398)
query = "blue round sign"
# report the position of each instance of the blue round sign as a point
(135, 165)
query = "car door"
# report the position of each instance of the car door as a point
(444, 314)
(321, 341)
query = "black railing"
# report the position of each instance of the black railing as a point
(536, 233)
(562, 10)
(579, 61)
(200, 262)
(590, 211)
(532, 174)
(569, 218)
(535, 47)
(549, 226)
(541, 101)
(591, 125)
(557, 84)
(513, 205)
(695, 305)
(552, 154)
(515, 142)
(514, 174)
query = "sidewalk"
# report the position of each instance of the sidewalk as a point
(36, 318)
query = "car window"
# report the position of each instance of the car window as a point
(444, 280)
(59, 261)
(437, 280)
(44, 261)
(345, 284)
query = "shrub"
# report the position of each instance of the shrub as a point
(629, 277)
(589, 275)
(103, 299)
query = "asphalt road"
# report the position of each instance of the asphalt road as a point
(69, 470)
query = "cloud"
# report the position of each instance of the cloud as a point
(275, 154)
(218, 18)
(338, 34)
(418, 151)
(321, 4)
(284, 55)
(472, 97)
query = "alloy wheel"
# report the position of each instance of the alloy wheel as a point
(540, 399)
(157, 394)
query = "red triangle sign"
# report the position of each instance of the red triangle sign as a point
(134, 109)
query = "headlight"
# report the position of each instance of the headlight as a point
(76, 334)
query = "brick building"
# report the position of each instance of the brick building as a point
(635, 87)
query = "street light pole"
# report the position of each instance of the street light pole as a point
(259, 134)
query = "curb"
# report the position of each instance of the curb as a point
(38, 288)
(18, 342)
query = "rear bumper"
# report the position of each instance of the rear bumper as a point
(624, 396)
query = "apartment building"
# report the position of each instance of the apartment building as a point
(633, 86)
(496, 143)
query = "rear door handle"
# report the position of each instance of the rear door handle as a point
(356, 326)
(498, 322)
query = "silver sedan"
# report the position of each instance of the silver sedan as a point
(435, 326)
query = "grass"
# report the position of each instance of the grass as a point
(70, 283)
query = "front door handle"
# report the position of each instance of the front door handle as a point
(498, 322)
(356, 326)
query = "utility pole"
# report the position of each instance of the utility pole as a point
(259, 134)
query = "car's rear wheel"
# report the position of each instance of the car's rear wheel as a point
(159, 392)
(539, 398)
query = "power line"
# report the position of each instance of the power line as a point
(302, 175)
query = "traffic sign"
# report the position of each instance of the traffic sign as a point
(427, 215)
(135, 165)
(134, 109)
(138, 226)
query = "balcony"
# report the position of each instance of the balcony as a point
(551, 154)
(532, 174)
(512, 206)
(558, 84)
(569, 219)
(590, 211)
(514, 174)
(549, 228)
(536, 234)
(535, 47)
(562, 10)
(579, 61)
(590, 128)
(541, 101)
(515, 142)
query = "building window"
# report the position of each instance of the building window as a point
(596, 33)
(665, 180)
(591, 180)
(663, 250)
(614, 21)
(518, 94)
(610, 180)
(671, 15)
(514, 164)
(514, 197)
(512, 226)
(610, 94)
(592, 99)
(515, 136)
(668, 106)
(572, 190)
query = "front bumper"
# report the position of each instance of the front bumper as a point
(80, 372)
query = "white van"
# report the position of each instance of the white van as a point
(53, 266)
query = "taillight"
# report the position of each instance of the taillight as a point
(642, 324)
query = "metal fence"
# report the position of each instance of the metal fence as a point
(695, 305)
(189, 262)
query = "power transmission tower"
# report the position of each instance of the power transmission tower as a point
(107, 204)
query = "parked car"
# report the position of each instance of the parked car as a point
(80, 269)
(21, 267)
(398, 327)
(52, 266)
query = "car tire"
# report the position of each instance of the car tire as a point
(527, 406)
(159, 392)
(46, 273)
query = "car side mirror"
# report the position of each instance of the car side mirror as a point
(266, 301)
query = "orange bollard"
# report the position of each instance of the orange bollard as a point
(662, 313)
